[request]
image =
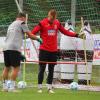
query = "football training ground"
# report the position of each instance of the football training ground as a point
(60, 94)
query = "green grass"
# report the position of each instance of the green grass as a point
(32, 73)
(61, 94)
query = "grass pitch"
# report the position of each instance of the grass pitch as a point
(31, 93)
(60, 94)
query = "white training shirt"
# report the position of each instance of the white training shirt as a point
(15, 35)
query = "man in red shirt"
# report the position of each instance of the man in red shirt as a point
(48, 29)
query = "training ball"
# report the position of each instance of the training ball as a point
(73, 86)
(22, 84)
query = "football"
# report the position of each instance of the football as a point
(74, 86)
(22, 84)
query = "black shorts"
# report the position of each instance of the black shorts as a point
(12, 58)
(47, 56)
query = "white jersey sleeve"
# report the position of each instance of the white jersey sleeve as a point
(24, 27)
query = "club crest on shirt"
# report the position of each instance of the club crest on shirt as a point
(47, 25)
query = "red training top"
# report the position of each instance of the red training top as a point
(48, 33)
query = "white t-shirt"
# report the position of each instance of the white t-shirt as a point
(15, 35)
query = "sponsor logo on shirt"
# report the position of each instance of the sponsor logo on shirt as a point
(51, 32)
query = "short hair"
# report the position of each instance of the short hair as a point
(21, 15)
(53, 12)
